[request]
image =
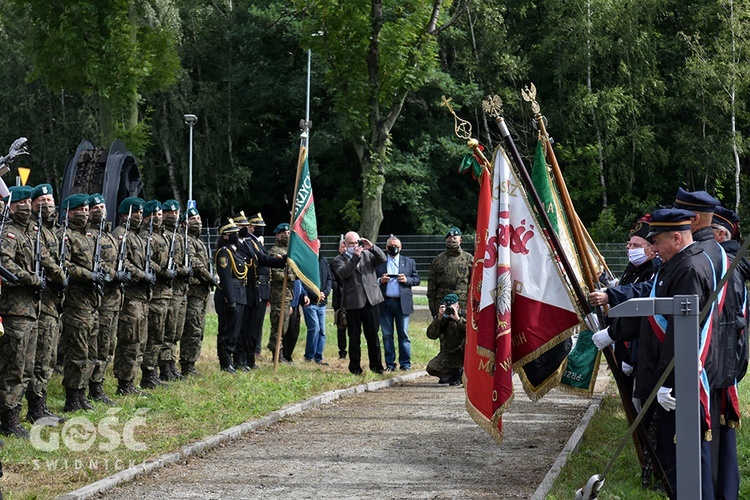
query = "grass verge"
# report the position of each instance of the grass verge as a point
(96, 444)
(603, 436)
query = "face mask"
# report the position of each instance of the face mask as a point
(80, 219)
(283, 239)
(233, 238)
(258, 231)
(136, 220)
(452, 245)
(350, 250)
(393, 250)
(96, 216)
(22, 213)
(243, 232)
(170, 220)
(48, 212)
(195, 227)
(637, 256)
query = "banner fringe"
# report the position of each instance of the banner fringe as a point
(561, 337)
(305, 280)
(538, 392)
(577, 391)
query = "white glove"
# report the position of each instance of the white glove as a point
(627, 369)
(602, 339)
(665, 399)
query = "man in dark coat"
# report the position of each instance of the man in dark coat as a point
(361, 295)
(230, 295)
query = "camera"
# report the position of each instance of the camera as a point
(393, 276)
(360, 243)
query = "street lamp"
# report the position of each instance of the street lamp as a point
(190, 121)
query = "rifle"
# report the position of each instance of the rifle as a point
(171, 264)
(123, 249)
(38, 269)
(5, 274)
(98, 288)
(63, 246)
(147, 267)
(210, 256)
(187, 256)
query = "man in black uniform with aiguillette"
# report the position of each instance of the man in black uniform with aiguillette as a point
(230, 295)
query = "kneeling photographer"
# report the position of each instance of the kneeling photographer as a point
(450, 327)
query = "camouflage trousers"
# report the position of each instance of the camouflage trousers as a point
(47, 337)
(17, 348)
(157, 317)
(132, 331)
(105, 343)
(79, 343)
(174, 327)
(192, 335)
(275, 317)
(444, 364)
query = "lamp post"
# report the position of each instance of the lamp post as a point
(190, 120)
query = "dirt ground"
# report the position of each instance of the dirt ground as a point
(410, 441)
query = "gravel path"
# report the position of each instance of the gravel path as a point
(410, 441)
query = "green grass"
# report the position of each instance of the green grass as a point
(183, 413)
(600, 440)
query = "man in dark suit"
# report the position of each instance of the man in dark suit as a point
(361, 295)
(397, 275)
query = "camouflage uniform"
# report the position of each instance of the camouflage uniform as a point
(19, 308)
(157, 306)
(449, 272)
(197, 298)
(109, 309)
(80, 319)
(48, 326)
(132, 323)
(450, 359)
(277, 284)
(175, 321)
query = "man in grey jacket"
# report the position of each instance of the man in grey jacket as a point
(361, 295)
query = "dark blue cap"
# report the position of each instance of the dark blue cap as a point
(669, 219)
(726, 218)
(697, 201)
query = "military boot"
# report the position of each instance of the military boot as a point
(85, 404)
(126, 388)
(34, 411)
(10, 424)
(173, 369)
(165, 374)
(188, 369)
(96, 393)
(147, 379)
(46, 411)
(72, 403)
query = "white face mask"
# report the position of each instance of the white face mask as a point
(637, 256)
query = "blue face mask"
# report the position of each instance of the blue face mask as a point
(350, 250)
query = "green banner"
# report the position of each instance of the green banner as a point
(304, 244)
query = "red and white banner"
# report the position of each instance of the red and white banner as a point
(519, 303)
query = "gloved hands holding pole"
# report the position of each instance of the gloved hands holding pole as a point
(665, 399)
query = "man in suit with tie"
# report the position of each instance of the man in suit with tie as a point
(361, 295)
(397, 275)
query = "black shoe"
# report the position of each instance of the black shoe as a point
(405, 368)
(454, 382)
(379, 371)
(444, 380)
(96, 393)
(356, 371)
(390, 369)
(10, 423)
(72, 403)
(253, 367)
(188, 369)
(321, 363)
(229, 369)
(342, 356)
(85, 405)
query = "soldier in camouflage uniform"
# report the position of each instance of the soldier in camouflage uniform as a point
(175, 321)
(19, 308)
(161, 292)
(198, 292)
(84, 293)
(450, 328)
(279, 249)
(48, 325)
(450, 272)
(132, 323)
(109, 309)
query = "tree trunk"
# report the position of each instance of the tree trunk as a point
(600, 147)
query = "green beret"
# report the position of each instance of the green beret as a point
(190, 212)
(449, 299)
(454, 231)
(18, 193)
(150, 207)
(96, 199)
(281, 228)
(171, 206)
(75, 201)
(41, 190)
(133, 201)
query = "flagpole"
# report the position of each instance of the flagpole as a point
(640, 439)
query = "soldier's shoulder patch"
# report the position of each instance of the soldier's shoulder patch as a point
(36, 228)
(89, 234)
(223, 262)
(119, 237)
(11, 236)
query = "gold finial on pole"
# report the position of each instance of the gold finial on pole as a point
(529, 95)
(493, 106)
(461, 127)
